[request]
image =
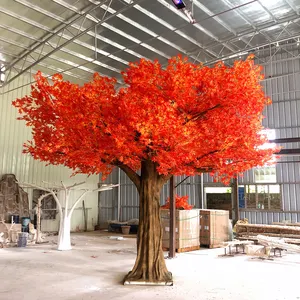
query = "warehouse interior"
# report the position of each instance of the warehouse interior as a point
(77, 38)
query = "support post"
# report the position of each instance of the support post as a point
(84, 216)
(172, 245)
(202, 191)
(235, 195)
(119, 196)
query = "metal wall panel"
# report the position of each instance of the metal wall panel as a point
(13, 134)
(282, 84)
(270, 217)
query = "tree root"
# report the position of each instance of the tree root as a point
(141, 278)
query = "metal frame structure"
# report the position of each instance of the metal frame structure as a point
(89, 34)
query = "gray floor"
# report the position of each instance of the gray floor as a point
(96, 266)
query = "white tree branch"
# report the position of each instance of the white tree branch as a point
(63, 185)
(53, 185)
(75, 184)
(49, 190)
(103, 188)
(76, 202)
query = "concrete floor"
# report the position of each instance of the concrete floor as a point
(94, 269)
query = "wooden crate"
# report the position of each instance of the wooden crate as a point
(187, 229)
(214, 227)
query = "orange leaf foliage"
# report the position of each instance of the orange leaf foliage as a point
(180, 203)
(186, 118)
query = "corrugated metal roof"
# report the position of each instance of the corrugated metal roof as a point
(80, 37)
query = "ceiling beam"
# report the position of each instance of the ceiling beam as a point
(196, 24)
(218, 19)
(55, 32)
(105, 18)
(246, 19)
(292, 6)
(258, 29)
(202, 47)
(65, 61)
(147, 30)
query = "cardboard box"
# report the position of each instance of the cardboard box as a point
(187, 229)
(214, 227)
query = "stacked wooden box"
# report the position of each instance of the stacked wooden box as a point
(187, 229)
(214, 227)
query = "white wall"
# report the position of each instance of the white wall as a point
(13, 133)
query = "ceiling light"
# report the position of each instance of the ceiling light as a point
(277, 44)
(179, 4)
(298, 42)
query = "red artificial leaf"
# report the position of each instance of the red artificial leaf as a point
(180, 203)
(186, 118)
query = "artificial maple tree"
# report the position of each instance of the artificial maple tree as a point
(183, 119)
(180, 203)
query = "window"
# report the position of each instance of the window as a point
(265, 174)
(263, 197)
(48, 205)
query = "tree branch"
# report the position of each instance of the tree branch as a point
(206, 154)
(204, 169)
(104, 188)
(53, 185)
(201, 114)
(63, 185)
(49, 190)
(75, 184)
(76, 202)
(133, 176)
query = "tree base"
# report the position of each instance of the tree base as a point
(64, 249)
(130, 280)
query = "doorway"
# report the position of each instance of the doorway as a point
(219, 198)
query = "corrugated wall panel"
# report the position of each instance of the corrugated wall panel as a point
(270, 217)
(13, 134)
(129, 202)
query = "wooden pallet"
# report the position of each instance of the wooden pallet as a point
(212, 246)
(187, 249)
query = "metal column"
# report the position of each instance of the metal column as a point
(235, 196)
(172, 245)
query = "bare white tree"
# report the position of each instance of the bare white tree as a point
(38, 214)
(65, 214)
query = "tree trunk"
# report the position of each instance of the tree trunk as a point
(38, 222)
(150, 266)
(64, 237)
